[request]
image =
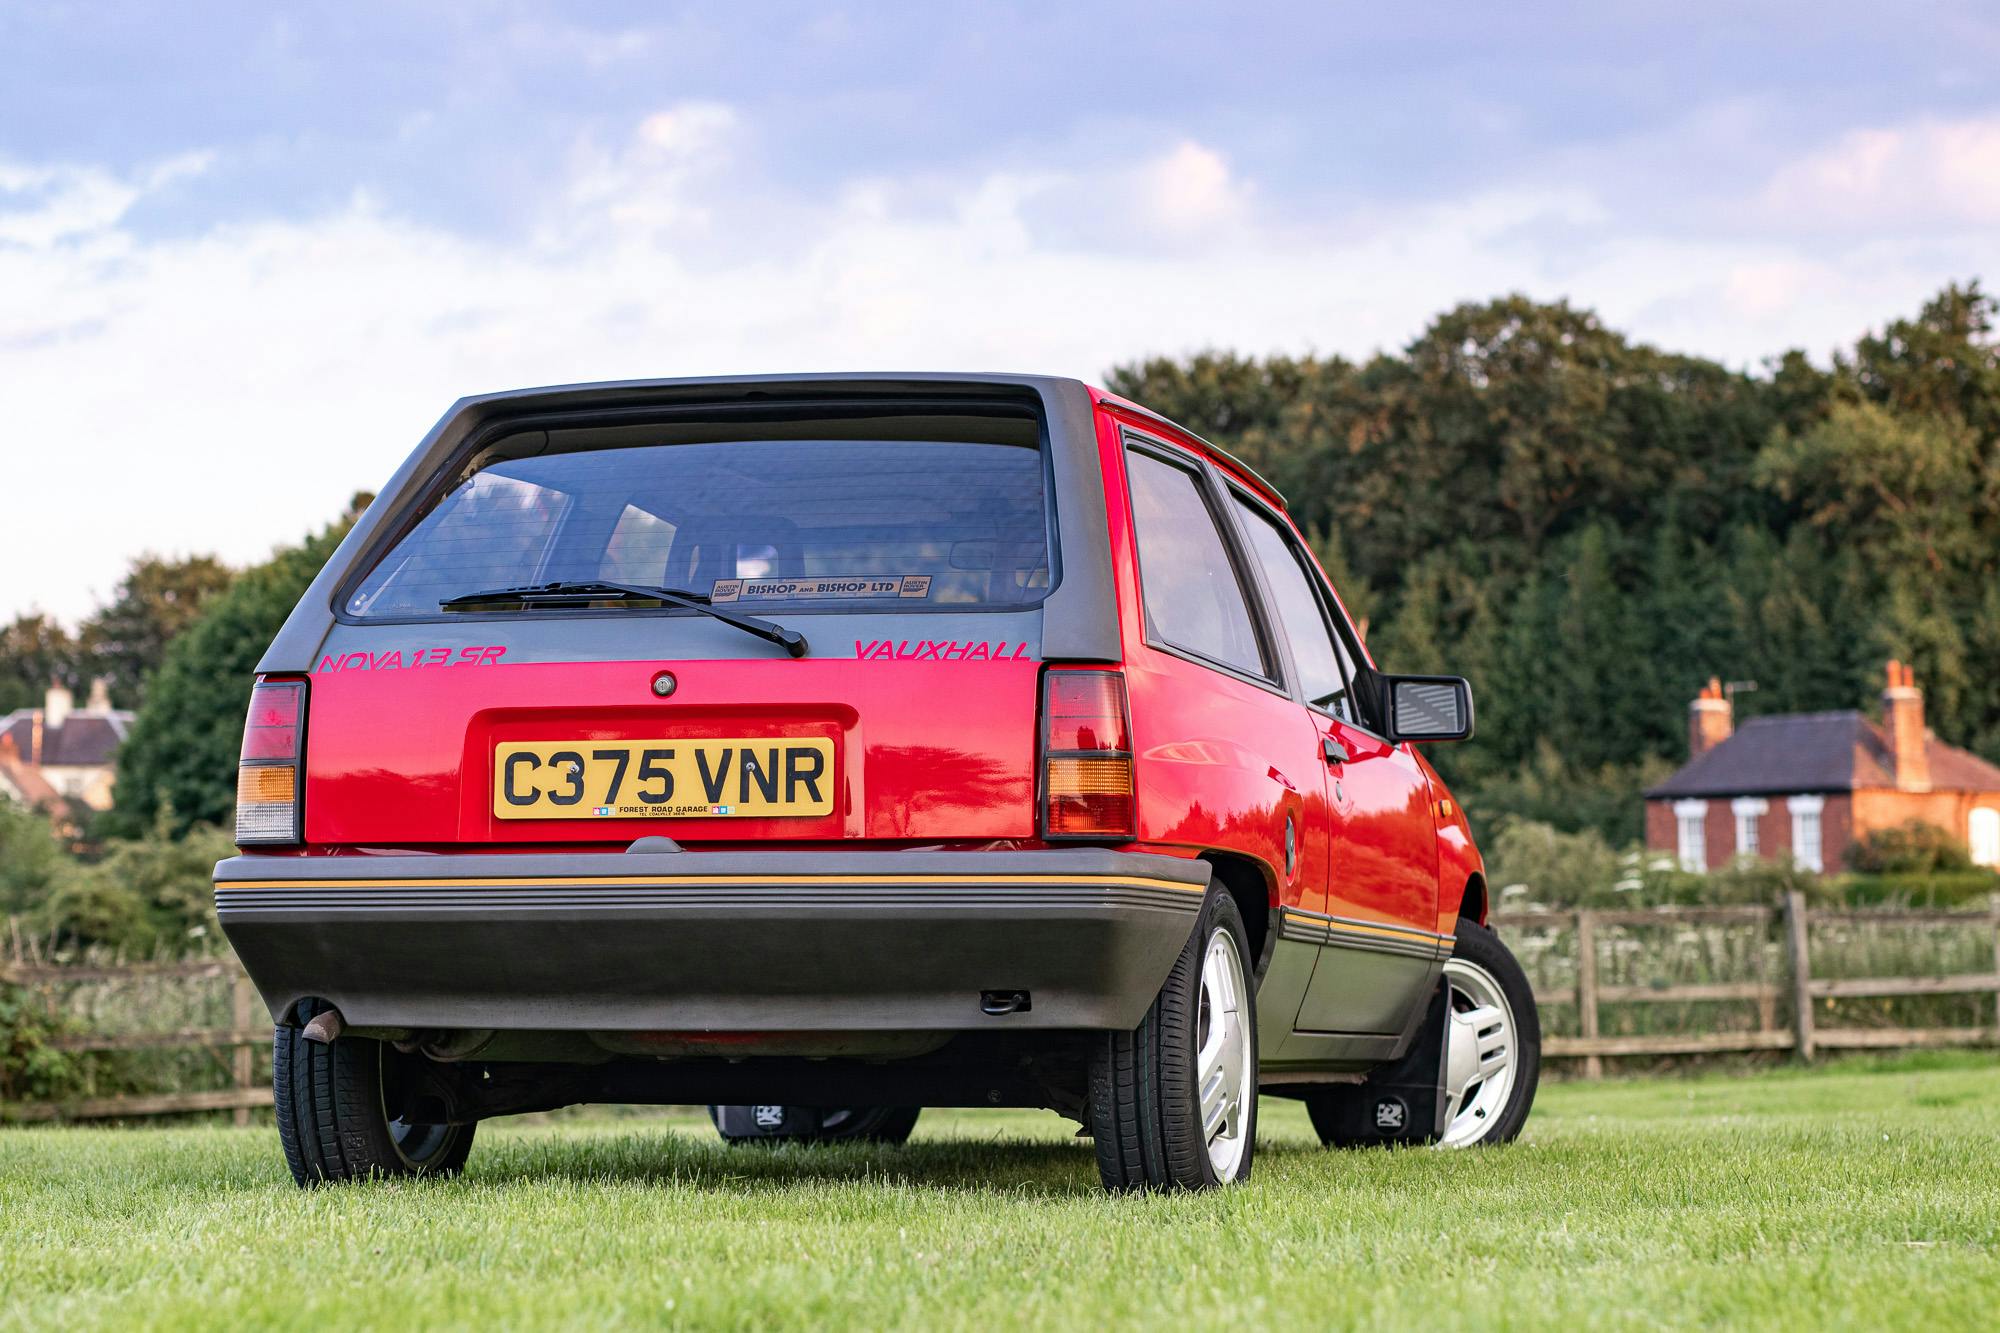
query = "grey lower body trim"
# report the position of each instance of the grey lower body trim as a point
(713, 942)
(1369, 986)
(1348, 933)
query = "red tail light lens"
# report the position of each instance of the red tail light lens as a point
(268, 808)
(272, 729)
(1086, 756)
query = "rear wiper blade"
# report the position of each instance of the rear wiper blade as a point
(588, 590)
(571, 590)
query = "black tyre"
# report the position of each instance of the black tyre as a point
(1491, 1054)
(332, 1118)
(798, 1124)
(1173, 1103)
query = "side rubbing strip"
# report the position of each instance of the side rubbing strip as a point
(731, 881)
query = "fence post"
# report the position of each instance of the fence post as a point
(1798, 952)
(1993, 906)
(242, 1062)
(1586, 987)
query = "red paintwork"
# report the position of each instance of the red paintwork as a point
(404, 759)
(935, 745)
(1221, 763)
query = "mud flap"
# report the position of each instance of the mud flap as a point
(1403, 1102)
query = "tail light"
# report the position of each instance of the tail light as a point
(1086, 756)
(268, 808)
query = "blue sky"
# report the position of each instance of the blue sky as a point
(249, 253)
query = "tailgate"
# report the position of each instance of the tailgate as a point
(927, 735)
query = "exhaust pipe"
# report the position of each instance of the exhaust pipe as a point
(325, 1028)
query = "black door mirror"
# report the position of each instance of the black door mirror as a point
(1427, 708)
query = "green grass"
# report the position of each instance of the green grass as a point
(1863, 1195)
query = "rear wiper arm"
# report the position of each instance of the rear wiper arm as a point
(790, 640)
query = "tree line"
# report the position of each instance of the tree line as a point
(1590, 528)
(1586, 526)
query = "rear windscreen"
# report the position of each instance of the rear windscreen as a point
(826, 523)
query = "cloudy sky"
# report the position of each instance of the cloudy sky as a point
(249, 253)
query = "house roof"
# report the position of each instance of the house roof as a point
(20, 779)
(88, 737)
(1817, 752)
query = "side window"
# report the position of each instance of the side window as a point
(1324, 666)
(1193, 596)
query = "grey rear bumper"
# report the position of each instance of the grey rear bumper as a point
(713, 941)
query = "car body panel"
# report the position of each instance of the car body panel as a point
(934, 722)
(403, 755)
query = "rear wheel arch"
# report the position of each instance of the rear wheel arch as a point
(1472, 904)
(1249, 886)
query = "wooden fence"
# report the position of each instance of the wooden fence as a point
(234, 1047)
(1785, 1004)
(1795, 992)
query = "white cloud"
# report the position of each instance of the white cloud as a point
(1925, 173)
(44, 206)
(228, 389)
(1190, 190)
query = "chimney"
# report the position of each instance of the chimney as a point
(1903, 719)
(1709, 719)
(55, 707)
(100, 696)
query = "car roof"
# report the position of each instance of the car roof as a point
(595, 391)
(1256, 480)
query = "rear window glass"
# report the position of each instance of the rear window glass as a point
(824, 523)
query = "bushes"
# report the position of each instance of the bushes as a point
(139, 897)
(1943, 888)
(1912, 848)
(1529, 861)
(30, 1068)
(1555, 867)
(31, 859)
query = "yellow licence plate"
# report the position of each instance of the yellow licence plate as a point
(754, 777)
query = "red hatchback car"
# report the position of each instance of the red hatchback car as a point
(822, 748)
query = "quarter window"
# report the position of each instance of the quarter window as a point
(1323, 664)
(1193, 597)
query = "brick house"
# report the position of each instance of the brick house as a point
(1808, 785)
(60, 752)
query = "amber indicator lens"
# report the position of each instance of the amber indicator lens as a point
(1087, 756)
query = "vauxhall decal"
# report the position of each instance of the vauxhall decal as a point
(949, 650)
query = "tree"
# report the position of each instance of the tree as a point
(126, 641)
(179, 761)
(1914, 490)
(1590, 528)
(35, 653)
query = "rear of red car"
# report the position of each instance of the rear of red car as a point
(694, 717)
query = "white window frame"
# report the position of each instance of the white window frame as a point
(1808, 848)
(1982, 835)
(1691, 834)
(1748, 810)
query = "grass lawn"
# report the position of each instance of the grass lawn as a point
(1863, 1195)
